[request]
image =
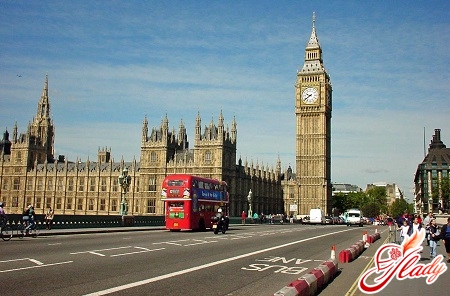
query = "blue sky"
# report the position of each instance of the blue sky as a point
(111, 63)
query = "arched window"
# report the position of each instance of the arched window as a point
(208, 156)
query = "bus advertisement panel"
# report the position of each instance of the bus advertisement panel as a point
(190, 201)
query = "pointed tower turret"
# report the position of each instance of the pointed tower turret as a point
(198, 127)
(145, 129)
(234, 130)
(15, 131)
(220, 127)
(43, 110)
(42, 129)
(313, 52)
(5, 143)
(182, 136)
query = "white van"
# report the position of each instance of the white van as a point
(316, 216)
(354, 217)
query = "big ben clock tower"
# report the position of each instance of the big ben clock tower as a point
(313, 132)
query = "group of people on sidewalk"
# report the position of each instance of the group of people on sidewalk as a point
(409, 224)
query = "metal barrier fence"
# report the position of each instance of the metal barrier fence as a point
(98, 221)
(93, 221)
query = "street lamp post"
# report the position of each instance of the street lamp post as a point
(249, 199)
(124, 182)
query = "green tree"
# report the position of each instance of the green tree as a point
(399, 206)
(376, 202)
(371, 209)
(356, 200)
(339, 201)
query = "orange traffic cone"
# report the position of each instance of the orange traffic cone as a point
(333, 252)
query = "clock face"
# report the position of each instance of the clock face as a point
(310, 95)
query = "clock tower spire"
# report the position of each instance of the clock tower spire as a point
(313, 129)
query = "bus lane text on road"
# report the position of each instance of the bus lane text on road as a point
(279, 265)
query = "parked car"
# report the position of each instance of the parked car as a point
(316, 216)
(329, 220)
(305, 220)
(336, 220)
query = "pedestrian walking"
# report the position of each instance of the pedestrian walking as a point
(49, 218)
(434, 237)
(426, 223)
(255, 217)
(403, 230)
(415, 226)
(243, 217)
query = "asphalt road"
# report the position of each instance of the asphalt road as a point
(247, 260)
(250, 260)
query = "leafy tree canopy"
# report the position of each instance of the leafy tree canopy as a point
(372, 203)
(399, 206)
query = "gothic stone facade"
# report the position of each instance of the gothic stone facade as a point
(30, 175)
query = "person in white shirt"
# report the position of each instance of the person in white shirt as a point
(415, 226)
(403, 230)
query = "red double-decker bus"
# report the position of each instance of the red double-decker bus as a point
(190, 201)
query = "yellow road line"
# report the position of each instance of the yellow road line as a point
(354, 287)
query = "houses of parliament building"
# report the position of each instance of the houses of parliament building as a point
(30, 174)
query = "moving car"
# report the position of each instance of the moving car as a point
(355, 217)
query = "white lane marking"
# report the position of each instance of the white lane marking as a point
(195, 268)
(35, 266)
(12, 260)
(239, 237)
(98, 254)
(199, 242)
(95, 251)
(176, 243)
(137, 252)
(37, 262)
(23, 259)
(55, 244)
